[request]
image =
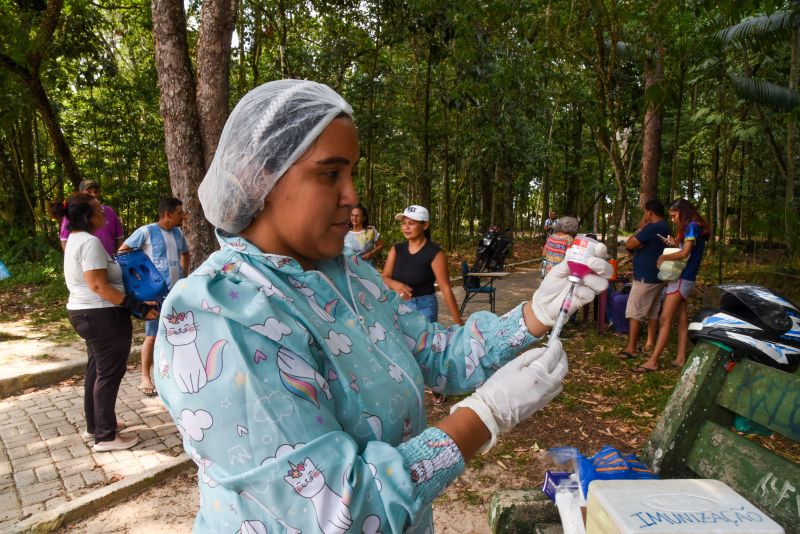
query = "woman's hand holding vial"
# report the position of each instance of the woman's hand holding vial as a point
(548, 298)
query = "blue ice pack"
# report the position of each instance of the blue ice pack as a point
(607, 464)
(610, 464)
(140, 277)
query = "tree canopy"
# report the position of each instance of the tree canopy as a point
(489, 113)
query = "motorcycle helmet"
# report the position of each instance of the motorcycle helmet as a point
(754, 322)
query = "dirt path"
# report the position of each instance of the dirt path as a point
(25, 346)
(462, 509)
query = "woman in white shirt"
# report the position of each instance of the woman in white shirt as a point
(100, 312)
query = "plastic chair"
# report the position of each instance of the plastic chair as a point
(473, 287)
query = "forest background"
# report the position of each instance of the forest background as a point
(489, 112)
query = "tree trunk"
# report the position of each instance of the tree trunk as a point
(503, 200)
(31, 79)
(714, 186)
(28, 174)
(651, 146)
(790, 215)
(213, 66)
(676, 140)
(573, 164)
(51, 123)
(692, 151)
(369, 131)
(446, 208)
(181, 124)
(29, 75)
(487, 200)
(548, 171)
(423, 189)
(283, 48)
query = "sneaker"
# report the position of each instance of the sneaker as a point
(120, 426)
(117, 444)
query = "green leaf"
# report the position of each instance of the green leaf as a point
(758, 27)
(766, 93)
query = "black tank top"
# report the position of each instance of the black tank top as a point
(415, 270)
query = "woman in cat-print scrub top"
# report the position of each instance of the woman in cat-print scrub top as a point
(295, 376)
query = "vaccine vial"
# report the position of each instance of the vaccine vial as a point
(577, 257)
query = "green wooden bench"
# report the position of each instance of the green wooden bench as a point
(693, 439)
(693, 436)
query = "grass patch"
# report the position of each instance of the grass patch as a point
(5, 336)
(477, 461)
(47, 358)
(470, 497)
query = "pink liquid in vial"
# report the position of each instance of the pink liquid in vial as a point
(578, 269)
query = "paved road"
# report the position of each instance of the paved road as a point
(45, 462)
(511, 290)
(48, 472)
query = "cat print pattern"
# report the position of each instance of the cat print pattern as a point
(316, 421)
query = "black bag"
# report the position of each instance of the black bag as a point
(472, 282)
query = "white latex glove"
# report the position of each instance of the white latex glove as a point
(547, 299)
(518, 389)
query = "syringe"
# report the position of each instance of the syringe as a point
(563, 314)
(577, 258)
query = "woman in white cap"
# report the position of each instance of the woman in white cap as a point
(412, 267)
(295, 376)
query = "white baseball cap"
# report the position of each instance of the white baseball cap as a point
(416, 213)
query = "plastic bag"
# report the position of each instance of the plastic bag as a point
(610, 464)
(607, 464)
(569, 503)
(4, 273)
(671, 270)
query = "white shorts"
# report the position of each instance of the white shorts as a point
(684, 287)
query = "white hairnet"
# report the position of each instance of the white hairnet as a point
(268, 130)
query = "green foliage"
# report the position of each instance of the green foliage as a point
(480, 108)
(759, 27)
(776, 97)
(31, 260)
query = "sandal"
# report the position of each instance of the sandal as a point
(150, 392)
(677, 365)
(625, 355)
(438, 398)
(643, 370)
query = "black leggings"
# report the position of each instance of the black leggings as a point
(108, 333)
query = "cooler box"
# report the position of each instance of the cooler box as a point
(672, 506)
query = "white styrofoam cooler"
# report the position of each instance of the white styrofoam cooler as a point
(671, 507)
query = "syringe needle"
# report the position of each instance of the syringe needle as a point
(562, 314)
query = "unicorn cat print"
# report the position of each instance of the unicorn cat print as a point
(333, 511)
(190, 373)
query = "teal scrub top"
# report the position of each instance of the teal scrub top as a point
(299, 394)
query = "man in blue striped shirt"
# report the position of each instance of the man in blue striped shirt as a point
(165, 245)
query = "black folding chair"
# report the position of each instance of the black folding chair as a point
(474, 287)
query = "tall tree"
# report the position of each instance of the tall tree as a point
(186, 110)
(23, 53)
(651, 145)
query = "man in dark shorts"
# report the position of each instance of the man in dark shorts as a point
(646, 245)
